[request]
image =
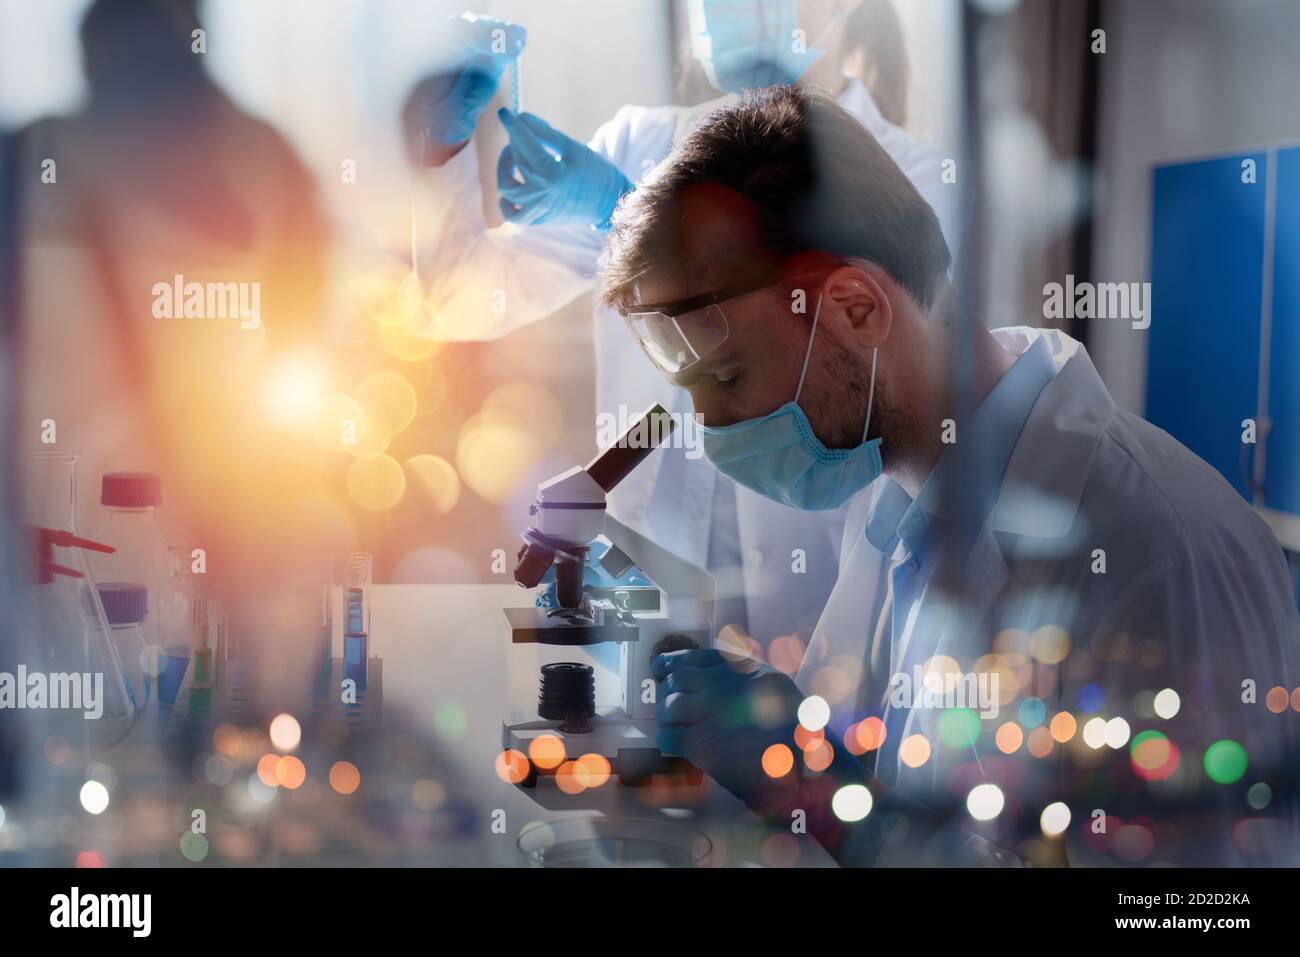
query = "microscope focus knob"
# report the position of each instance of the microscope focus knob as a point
(531, 564)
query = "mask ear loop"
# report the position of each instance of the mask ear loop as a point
(808, 354)
(871, 394)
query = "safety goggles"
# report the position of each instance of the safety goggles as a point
(679, 335)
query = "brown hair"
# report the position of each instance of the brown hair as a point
(783, 177)
(874, 29)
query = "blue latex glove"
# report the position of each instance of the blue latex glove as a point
(487, 46)
(547, 177)
(723, 714)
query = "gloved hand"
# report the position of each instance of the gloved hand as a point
(485, 46)
(563, 181)
(722, 715)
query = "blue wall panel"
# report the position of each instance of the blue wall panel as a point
(1282, 468)
(1207, 250)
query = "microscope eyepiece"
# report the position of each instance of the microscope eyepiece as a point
(650, 430)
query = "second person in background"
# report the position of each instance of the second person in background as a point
(774, 565)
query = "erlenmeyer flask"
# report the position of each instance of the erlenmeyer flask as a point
(69, 624)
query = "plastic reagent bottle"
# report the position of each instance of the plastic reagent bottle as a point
(131, 500)
(125, 606)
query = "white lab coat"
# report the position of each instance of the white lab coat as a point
(486, 282)
(1194, 596)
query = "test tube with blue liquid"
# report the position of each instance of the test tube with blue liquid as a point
(356, 617)
(325, 649)
(206, 614)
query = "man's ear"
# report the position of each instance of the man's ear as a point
(857, 303)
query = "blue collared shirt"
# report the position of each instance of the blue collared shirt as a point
(907, 532)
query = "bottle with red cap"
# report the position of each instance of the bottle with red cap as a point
(131, 501)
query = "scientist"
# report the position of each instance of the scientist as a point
(774, 566)
(1121, 599)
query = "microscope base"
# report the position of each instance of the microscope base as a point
(627, 743)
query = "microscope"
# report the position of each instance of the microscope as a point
(608, 620)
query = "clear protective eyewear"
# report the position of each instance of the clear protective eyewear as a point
(679, 335)
(675, 343)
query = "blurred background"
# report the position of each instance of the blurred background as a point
(1071, 139)
(315, 86)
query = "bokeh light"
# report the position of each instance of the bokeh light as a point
(786, 653)
(1094, 733)
(285, 731)
(566, 780)
(388, 398)
(194, 847)
(1117, 732)
(851, 803)
(814, 712)
(1259, 796)
(1167, 703)
(546, 751)
(1032, 712)
(227, 740)
(1153, 756)
(819, 754)
(436, 479)
(866, 735)
(1133, 843)
(914, 750)
(1054, 819)
(57, 750)
(526, 402)
(492, 456)
(427, 795)
(1225, 761)
(838, 680)
(778, 760)
(345, 778)
(377, 483)
(290, 772)
(266, 768)
(1040, 742)
(593, 770)
(959, 728)
(1091, 698)
(1049, 645)
(1063, 727)
(985, 802)
(512, 766)
(1009, 737)
(805, 739)
(94, 797)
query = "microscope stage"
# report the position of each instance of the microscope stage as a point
(552, 626)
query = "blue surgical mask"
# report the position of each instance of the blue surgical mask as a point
(778, 455)
(745, 44)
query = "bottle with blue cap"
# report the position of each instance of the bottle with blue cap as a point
(126, 605)
(131, 501)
